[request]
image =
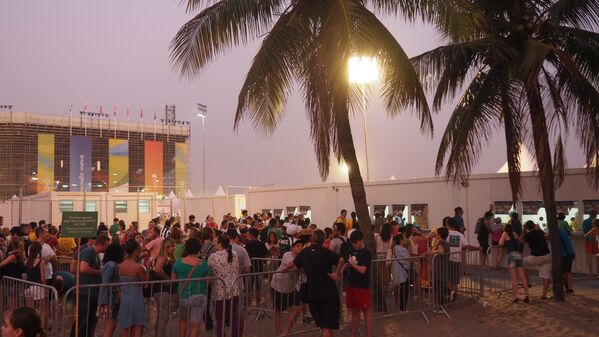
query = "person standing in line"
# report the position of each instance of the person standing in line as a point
(108, 299)
(483, 229)
(132, 315)
(322, 268)
(224, 265)
(164, 294)
(114, 228)
(192, 294)
(459, 219)
(457, 245)
(358, 288)
(166, 231)
(568, 254)
(540, 256)
(591, 248)
(511, 242)
(23, 322)
(90, 273)
(48, 255)
(400, 269)
(338, 238)
(563, 224)
(342, 218)
(594, 233)
(496, 232)
(285, 297)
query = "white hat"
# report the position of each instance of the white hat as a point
(292, 229)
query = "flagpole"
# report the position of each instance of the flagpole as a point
(71, 119)
(128, 124)
(141, 116)
(154, 125)
(114, 116)
(100, 120)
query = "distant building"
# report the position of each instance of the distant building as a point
(91, 152)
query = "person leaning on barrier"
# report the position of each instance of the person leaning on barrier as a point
(540, 256)
(285, 296)
(457, 245)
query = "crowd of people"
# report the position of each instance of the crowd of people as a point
(175, 266)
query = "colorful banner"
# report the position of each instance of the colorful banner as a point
(564, 206)
(503, 207)
(181, 156)
(81, 163)
(118, 162)
(45, 162)
(153, 166)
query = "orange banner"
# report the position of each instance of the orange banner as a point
(153, 166)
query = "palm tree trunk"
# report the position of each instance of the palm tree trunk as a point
(348, 152)
(544, 162)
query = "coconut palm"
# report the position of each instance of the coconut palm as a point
(306, 44)
(530, 66)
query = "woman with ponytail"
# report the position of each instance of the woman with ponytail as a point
(23, 322)
(511, 242)
(224, 265)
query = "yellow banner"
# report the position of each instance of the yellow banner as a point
(45, 162)
(118, 163)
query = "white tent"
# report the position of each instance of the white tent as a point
(527, 161)
(219, 192)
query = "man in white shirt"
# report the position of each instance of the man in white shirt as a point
(457, 245)
(47, 253)
(245, 265)
(285, 295)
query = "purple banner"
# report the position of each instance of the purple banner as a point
(81, 163)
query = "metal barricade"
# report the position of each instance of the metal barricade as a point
(271, 303)
(424, 283)
(63, 263)
(155, 307)
(44, 298)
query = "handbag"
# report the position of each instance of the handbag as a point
(411, 272)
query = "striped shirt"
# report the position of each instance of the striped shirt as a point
(165, 232)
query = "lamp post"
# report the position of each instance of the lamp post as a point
(364, 70)
(202, 113)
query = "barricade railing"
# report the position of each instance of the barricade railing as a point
(44, 298)
(63, 263)
(424, 283)
(155, 307)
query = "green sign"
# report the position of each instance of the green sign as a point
(79, 225)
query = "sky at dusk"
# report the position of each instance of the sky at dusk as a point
(115, 52)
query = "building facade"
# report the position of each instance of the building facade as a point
(90, 153)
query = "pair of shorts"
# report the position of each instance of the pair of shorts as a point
(514, 260)
(282, 301)
(358, 298)
(455, 272)
(567, 263)
(591, 247)
(192, 308)
(542, 263)
(326, 313)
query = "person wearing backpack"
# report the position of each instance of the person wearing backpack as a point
(482, 231)
(339, 244)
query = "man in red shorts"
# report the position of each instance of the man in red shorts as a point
(358, 287)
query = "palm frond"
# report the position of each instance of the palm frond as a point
(576, 13)
(559, 162)
(514, 134)
(583, 98)
(401, 85)
(471, 125)
(268, 82)
(217, 29)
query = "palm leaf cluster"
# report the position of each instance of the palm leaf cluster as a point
(529, 66)
(306, 45)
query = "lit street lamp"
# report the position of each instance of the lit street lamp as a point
(364, 70)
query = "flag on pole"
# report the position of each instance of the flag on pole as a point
(141, 116)
(100, 120)
(114, 111)
(154, 124)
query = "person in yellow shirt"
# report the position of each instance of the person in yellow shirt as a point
(433, 236)
(342, 218)
(66, 246)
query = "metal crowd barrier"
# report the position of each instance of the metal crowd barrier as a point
(63, 263)
(44, 298)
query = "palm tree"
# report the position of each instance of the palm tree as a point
(307, 43)
(531, 66)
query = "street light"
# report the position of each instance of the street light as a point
(203, 113)
(364, 70)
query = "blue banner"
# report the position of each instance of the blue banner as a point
(81, 163)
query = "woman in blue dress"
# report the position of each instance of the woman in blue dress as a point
(132, 315)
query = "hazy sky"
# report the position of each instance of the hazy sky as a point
(115, 52)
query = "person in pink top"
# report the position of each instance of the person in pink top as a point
(153, 242)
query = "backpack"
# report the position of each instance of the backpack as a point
(284, 244)
(479, 225)
(346, 248)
